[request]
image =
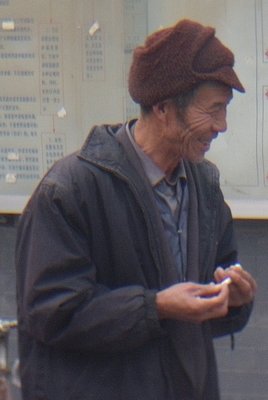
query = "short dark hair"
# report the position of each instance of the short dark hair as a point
(181, 101)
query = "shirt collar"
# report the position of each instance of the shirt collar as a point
(152, 171)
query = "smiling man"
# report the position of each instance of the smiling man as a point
(127, 266)
(170, 134)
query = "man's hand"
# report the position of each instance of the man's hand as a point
(193, 302)
(242, 287)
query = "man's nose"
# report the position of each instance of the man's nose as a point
(220, 123)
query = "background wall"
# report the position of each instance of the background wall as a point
(243, 371)
(64, 67)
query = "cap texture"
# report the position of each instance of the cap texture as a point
(176, 59)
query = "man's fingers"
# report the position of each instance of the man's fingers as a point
(213, 302)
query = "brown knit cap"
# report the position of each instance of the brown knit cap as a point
(175, 59)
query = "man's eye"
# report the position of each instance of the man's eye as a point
(218, 108)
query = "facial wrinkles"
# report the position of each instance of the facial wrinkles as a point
(195, 129)
(202, 120)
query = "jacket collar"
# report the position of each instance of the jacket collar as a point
(102, 148)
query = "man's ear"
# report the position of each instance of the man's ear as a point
(160, 109)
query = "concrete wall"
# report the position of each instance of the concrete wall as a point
(243, 372)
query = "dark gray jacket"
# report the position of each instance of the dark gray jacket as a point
(90, 256)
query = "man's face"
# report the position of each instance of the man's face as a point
(202, 120)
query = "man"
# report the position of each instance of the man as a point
(124, 249)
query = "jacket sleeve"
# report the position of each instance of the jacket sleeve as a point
(59, 300)
(227, 254)
(235, 321)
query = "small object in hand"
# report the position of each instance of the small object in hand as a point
(226, 281)
(237, 265)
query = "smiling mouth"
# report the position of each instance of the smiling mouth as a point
(205, 145)
(207, 142)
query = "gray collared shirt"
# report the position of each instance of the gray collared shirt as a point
(172, 200)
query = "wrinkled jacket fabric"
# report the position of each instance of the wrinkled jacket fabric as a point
(90, 256)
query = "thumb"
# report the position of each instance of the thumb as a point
(209, 290)
(219, 274)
